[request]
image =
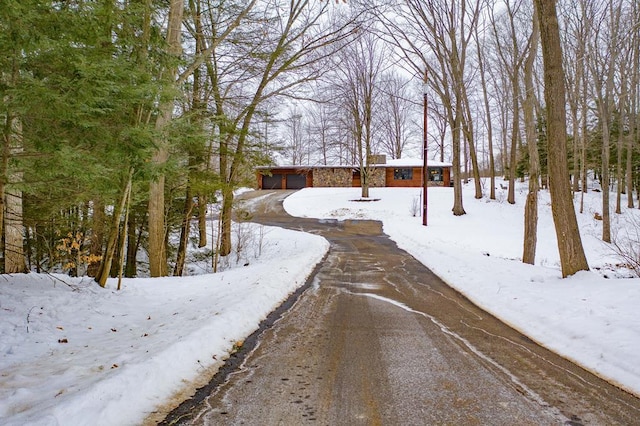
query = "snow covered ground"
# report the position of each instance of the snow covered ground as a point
(73, 353)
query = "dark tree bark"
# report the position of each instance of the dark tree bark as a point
(572, 257)
(184, 233)
(157, 226)
(531, 206)
(97, 237)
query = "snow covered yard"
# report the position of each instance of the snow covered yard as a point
(72, 353)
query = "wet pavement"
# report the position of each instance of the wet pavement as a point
(378, 339)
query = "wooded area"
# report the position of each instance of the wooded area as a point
(122, 121)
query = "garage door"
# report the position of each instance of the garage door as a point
(272, 182)
(296, 181)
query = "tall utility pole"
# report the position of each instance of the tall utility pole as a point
(425, 144)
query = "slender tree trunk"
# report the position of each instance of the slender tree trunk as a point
(202, 220)
(531, 206)
(97, 237)
(225, 217)
(504, 121)
(123, 237)
(469, 137)
(620, 145)
(112, 242)
(631, 137)
(572, 257)
(199, 101)
(133, 239)
(604, 180)
(184, 233)
(487, 111)
(515, 135)
(605, 105)
(584, 106)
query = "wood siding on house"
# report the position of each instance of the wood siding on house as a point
(346, 176)
(415, 181)
(416, 177)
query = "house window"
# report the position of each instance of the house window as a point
(435, 174)
(402, 174)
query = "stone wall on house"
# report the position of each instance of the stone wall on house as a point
(377, 177)
(332, 177)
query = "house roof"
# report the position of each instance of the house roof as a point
(399, 162)
(414, 162)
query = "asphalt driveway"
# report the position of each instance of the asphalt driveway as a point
(377, 339)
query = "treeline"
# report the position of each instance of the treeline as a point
(123, 120)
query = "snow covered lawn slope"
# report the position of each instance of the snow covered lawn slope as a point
(72, 353)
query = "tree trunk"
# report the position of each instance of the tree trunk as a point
(487, 111)
(123, 237)
(515, 135)
(225, 217)
(11, 204)
(572, 257)
(584, 107)
(202, 220)
(133, 241)
(14, 260)
(97, 236)
(458, 208)
(157, 248)
(631, 137)
(112, 242)
(620, 145)
(469, 137)
(184, 233)
(531, 206)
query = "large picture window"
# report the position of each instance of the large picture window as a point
(402, 174)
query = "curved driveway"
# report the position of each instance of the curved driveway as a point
(378, 339)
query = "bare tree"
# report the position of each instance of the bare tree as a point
(394, 113)
(294, 133)
(509, 41)
(603, 63)
(280, 51)
(434, 36)
(575, 42)
(322, 130)
(487, 111)
(572, 257)
(358, 79)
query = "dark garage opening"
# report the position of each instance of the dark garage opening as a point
(296, 181)
(272, 182)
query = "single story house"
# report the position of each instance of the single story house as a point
(391, 173)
